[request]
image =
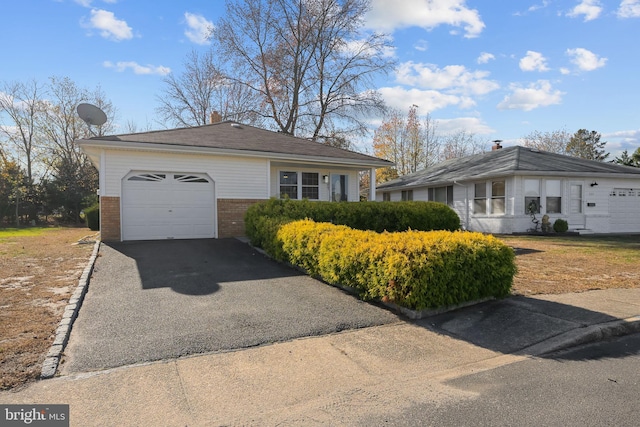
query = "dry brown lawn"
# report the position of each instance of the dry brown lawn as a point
(39, 270)
(562, 264)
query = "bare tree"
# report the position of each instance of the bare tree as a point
(554, 142)
(22, 103)
(307, 61)
(460, 144)
(189, 99)
(431, 141)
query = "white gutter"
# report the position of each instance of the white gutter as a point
(137, 146)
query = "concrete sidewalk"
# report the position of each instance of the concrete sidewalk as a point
(338, 379)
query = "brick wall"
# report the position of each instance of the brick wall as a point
(110, 219)
(231, 216)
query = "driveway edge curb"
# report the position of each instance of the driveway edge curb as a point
(585, 335)
(50, 364)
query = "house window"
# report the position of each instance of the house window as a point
(339, 192)
(310, 186)
(497, 197)
(531, 196)
(442, 195)
(480, 198)
(386, 196)
(554, 196)
(288, 184)
(407, 195)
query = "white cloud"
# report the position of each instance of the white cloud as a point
(110, 27)
(533, 61)
(591, 9)
(85, 3)
(454, 78)
(629, 9)
(469, 124)
(388, 16)
(198, 28)
(536, 95)
(421, 45)
(565, 71)
(137, 68)
(428, 100)
(585, 59)
(485, 57)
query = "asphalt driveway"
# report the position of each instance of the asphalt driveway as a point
(158, 300)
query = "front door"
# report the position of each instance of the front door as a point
(576, 206)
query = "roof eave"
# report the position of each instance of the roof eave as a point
(145, 146)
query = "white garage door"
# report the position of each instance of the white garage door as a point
(624, 208)
(163, 205)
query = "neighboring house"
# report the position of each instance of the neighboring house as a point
(491, 191)
(198, 182)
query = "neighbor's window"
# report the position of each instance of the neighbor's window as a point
(554, 196)
(531, 196)
(497, 197)
(407, 195)
(339, 188)
(386, 196)
(480, 198)
(288, 184)
(310, 186)
(442, 195)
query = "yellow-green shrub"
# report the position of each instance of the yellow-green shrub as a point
(413, 269)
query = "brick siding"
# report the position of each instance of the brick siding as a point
(110, 219)
(231, 216)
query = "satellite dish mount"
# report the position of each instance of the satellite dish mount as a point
(91, 115)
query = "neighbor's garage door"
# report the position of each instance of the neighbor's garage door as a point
(163, 205)
(624, 208)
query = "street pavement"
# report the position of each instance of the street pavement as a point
(325, 377)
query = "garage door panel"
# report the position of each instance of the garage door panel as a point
(165, 205)
(624, 210)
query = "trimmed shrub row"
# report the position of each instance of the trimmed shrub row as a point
(375, 216)
(412, 269)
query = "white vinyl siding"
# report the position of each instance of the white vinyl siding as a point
(235, 177)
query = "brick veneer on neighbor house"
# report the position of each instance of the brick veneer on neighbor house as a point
(231, 216)
(110, 219)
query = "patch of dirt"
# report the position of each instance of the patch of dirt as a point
(39, 274)
(557, 265)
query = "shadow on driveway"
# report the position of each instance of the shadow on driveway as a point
(159, 300)
(197, 267)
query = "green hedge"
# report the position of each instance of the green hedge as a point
(375, 216)
(92, 217)
(413, 269)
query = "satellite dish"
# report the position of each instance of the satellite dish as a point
(91, 115)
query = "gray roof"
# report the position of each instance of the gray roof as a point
(235, 137)
(505, 162)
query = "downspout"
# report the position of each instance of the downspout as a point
(466, 203)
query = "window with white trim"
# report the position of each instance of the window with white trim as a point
(407, 195)
(553, 197)
(442, 195)
(498, 197)
(531, 196)
(480, 198)
(386, 196)
(299, 185)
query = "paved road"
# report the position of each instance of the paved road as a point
(593, 385)
(165, 299)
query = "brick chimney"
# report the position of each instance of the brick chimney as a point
(496, 145)
(215, 117)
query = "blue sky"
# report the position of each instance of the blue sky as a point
(498, 69)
